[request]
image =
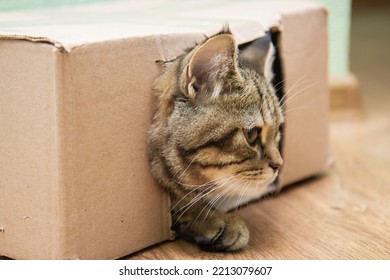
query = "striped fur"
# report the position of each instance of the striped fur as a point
(214, 136)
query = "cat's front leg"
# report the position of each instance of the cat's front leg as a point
(211, 230)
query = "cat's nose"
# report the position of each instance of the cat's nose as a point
(275, 160)
(275, 166)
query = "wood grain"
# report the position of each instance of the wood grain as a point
(344, 92)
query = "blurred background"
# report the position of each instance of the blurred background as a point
(370, 53)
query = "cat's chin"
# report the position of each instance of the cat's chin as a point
(231, 202)
(239, 192)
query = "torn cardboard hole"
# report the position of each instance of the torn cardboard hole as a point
(277, 81)
(258, 49)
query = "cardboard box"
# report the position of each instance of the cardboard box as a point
(76, 103)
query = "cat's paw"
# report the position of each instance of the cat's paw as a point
(218, 232)
(228, 234)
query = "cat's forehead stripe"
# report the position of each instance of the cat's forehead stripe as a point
(268, 114)
(255, 119)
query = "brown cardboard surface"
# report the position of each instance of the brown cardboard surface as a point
(76, 103)
(108, 194)
(306, 151)
(29, 214)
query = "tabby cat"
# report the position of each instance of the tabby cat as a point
(214, 137)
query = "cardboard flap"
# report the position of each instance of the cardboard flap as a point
(70, 26)
(66, 38)
(31, 38)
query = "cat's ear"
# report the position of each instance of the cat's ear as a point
(213, 60)
(259, 55)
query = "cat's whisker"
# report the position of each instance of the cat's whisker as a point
(279, 85)
(222, 185)
(296, 83)
(186, 207)
(229, 189)
(208, 185)
(241, 196)
(298, 94)
(188, 166)
(302, 92)
(195, 188)
(211, 203)
(224, 195)
(191, 204)
(296, 109)
(295, 87)
(201, 195)
(198, 196)
(239, 182)
(191, 185)
(215, 181)
(282, 83)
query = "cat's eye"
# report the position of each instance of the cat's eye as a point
(252, 135)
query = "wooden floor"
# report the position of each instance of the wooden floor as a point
(344, 213)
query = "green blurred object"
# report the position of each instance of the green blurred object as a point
(339, 32)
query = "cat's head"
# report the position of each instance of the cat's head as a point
(220, 118)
